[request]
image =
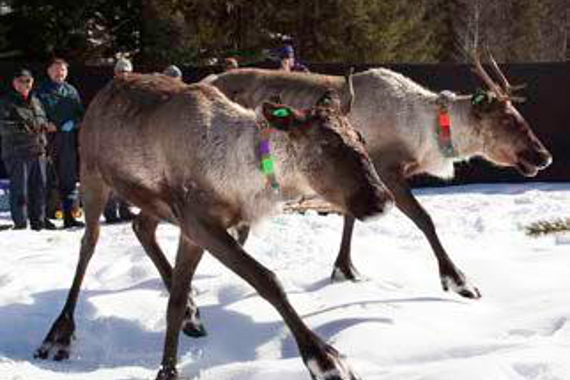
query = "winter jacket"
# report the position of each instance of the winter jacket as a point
(61, 103)
(22, 126)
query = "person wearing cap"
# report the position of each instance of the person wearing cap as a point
(23, 124)
(288, 62)
(65, 110)
(116, 209)
(173, 71)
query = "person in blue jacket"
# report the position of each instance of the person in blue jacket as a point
(65, 110)
(23, 127)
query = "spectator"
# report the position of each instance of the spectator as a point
(288, 61)
(116, 209)
(122, 67)
(64, 109)
(23, 124)
(173, 71)
(230, 63)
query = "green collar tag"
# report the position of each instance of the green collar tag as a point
(281, 112)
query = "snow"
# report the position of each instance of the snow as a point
(396, 325)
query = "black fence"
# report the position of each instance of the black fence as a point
(547, 108)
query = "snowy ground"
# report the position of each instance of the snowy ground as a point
(397, 325)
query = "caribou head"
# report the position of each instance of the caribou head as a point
(508, 138)
(330, 155)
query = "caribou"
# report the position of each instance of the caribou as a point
(410, 130)
(188, 155)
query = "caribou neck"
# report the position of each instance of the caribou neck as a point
(465, 135)
(292, 183)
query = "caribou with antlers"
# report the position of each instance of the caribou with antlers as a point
(410, 130)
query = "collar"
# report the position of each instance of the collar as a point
(267, 162)
(443, 130)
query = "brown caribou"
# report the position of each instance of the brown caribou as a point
(190, 156)
(410, 130)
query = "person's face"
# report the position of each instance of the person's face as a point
(58, 72)
(23, 85)
(287, 63)
(121, 73)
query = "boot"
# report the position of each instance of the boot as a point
(70, 222)
(48, 225)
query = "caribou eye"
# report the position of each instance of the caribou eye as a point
(360, 138)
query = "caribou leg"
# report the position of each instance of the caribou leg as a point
(243, 234)
(59, 337)
(145, 226)
(451, 277)
(187, 259)
(343, 267)
(322, 360)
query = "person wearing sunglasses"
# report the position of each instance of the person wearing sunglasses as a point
(23, 125)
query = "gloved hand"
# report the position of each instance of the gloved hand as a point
(68, 126)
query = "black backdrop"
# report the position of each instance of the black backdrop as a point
(547, 108)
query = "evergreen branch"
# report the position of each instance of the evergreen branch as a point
(545, 227)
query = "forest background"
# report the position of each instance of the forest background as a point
(201, 32)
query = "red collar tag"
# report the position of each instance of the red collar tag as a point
(444, 134)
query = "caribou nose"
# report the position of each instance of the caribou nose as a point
(546, 159)
(540, 158)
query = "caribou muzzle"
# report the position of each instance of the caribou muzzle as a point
(531, 160)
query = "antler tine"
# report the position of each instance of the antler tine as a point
(478, 69)
(509, 89)
(350, 89)
(506, 85)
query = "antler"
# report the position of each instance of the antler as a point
(479, 70)
(508, 89)
(350, 88)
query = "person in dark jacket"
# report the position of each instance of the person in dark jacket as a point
(23, 125)
(65, 110)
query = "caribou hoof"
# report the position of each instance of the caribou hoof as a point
(461, 287)
(61, 351)
(345, 273)
(167, 373)
(58, 340)
(192, 325)
(330, 366)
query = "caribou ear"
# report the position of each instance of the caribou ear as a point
(280, 117)
(329, 99)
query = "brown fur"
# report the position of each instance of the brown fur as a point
(188, 155)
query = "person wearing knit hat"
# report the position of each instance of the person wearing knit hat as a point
(122, 67)
(117, 209)
(173, 71)
(288, 61)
